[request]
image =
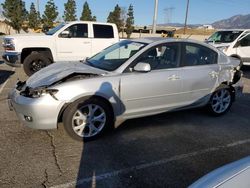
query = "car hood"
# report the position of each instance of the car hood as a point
(218, 45)
(57, 71)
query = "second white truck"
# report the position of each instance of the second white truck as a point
(234, 43)
(71, 41)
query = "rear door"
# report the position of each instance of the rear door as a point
(199, 71)
(76, 46)
(103, 36)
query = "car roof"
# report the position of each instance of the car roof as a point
(150, 40)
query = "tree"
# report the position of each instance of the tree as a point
(130, 21)
(33, 17)
(50, 14)
(115, 17)
(70, 11)
(86, 13)
(15, 13)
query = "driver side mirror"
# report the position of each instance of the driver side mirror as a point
(142, 67)
(65, 34)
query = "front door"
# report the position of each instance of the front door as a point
(155, 91)
(75, 46)
(243, 49)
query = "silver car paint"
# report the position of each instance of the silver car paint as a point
(148, 96)
(55, 72)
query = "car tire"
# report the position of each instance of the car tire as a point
(220, 101)
(87, 119)
(34, 62)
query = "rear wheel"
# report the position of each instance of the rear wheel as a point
(220, 101)
(35, 62)
(87, 119)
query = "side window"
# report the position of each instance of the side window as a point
(194, 54)
(161, 57)
(103, 31)
(245, 41)
(78, 31)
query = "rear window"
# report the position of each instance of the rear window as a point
(103, 31)
(195, 54)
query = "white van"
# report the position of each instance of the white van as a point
(234, 43)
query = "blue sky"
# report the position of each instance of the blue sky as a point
(201, 11)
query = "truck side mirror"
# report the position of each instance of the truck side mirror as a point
(65, 34)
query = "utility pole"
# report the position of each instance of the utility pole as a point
(155, 17)
(168, 14)
(185, 26)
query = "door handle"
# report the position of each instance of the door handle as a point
(173, 77)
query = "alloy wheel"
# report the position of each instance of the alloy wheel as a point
(88, 120)
(221, 100)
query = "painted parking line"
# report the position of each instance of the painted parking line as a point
(4, 84)
(148, 165)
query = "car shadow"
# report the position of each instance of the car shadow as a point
(246, 71)
(117, 148)
(105, 87)
(4, 75)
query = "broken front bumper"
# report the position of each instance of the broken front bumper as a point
(37, 113)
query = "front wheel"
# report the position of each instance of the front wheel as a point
(220, 101)
(87, 119)
(35, 62)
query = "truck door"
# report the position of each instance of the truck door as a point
(73, 43)
(243, 50)
(103, 36)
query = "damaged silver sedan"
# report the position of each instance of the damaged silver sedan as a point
(132, 78)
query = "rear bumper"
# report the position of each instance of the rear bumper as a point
(12, 59)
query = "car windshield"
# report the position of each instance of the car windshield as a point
(114, 56)
(55, 29)
(224, 36)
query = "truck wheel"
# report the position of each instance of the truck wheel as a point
(86, 119)
(35, 62)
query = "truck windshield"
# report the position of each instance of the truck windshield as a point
(114, 56)
(55, 29)
(224, 36)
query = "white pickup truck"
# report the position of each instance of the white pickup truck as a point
(233, 42)
(67, 42)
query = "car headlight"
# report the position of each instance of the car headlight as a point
(38, 92)
(9, 44)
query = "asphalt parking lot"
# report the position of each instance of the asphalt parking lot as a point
(167, 150)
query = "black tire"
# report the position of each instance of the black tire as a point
(34, 62)
(224, 98)
(71, 112)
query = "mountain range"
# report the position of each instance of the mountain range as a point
(235, 22)
(238, 21)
